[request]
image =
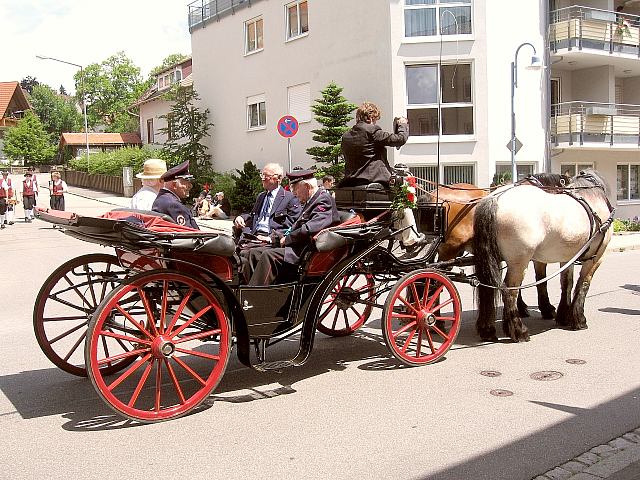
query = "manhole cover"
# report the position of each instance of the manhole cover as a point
(490, 373)
(501, 393)
(575, 361)
(546, 376)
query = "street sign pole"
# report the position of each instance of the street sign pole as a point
(289, 151)
(287, 128)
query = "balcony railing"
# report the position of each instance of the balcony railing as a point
(8, 122)
(201, 11)
(608, 124)
(603, 30)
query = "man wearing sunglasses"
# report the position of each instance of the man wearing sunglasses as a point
(274, 212)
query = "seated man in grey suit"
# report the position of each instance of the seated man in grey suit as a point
(275, 210)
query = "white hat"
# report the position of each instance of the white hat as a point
(152, 168)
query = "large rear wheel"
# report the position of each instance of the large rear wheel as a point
(64, 306)
(177, 337)
(417, 307)
(348, 305)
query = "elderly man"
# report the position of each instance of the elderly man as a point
(319, 212)
(177, 183)
(152, 170)
(275, 209)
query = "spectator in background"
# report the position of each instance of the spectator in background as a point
(328, 183)
(11, 199)
(152, 170)
(221, 208)
(205, 206)
(58, 189)
(29, 190)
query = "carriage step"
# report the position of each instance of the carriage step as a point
(278, 365)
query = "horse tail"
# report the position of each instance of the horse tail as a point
(487, 259)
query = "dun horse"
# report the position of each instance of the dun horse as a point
(460, 200)
(524, 223)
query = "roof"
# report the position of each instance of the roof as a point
(12, 90)
(153, 93)
(100, 139)
(171, 67)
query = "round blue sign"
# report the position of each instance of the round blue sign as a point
(287, 126)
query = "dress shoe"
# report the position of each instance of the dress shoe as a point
(415, 248)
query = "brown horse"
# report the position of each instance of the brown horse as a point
(460, 200)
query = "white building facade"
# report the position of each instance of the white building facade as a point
(444, 64)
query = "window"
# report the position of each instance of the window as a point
(555, 95)
(170, 128)
(425, 18)
(256, 112)
(572, 169)
(299, 100)
(524, 170)
(454, 115)
(253, 35)
(628, 181)
(150, 138)
(297, 19)
(450, 174)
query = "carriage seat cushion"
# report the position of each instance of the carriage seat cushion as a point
(219, 244)
(331, 238)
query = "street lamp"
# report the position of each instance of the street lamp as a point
(84, 103)
(534, 65)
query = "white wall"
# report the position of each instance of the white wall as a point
(595, 84)
(342, 45)
(154, 110)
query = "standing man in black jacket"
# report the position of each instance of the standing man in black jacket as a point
(365, 153)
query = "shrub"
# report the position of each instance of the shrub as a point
(621, 225)
(111, 163)
(247, 187)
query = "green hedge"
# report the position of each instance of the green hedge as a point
(111, 163)
(620, 225)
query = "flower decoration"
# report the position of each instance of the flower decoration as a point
(405, 194)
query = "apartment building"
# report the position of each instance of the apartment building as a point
(444, 64)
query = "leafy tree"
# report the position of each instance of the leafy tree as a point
(110, 88)
(57, 114)
(28, 141)
(333, 112)
(170, 61)
(248, 186)
(28, 82)
(188, 126)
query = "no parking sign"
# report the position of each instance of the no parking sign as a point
(287, 126)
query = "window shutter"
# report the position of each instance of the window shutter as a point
(300, 102)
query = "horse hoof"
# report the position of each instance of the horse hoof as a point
(524, 313)
(489, 338)
(548, 314)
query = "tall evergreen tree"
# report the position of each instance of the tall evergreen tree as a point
(186, 127)
(333, 112)
(248, 186)
(28, 141)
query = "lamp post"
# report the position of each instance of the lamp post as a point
(534, 65)
(84, 103)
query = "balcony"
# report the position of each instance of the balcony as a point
(202, 12)
(8, 122)
(595, 126)
(581, 30)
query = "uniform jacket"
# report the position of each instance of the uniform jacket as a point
(168, 203)
(365, 153)
(284, 211)
(318, 213)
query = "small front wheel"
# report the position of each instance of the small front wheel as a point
(348, 305)
(421, 317)
(173, 330)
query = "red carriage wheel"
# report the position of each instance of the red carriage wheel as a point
(348, 305)
(416, 307)
(64, 306)
(177, 337)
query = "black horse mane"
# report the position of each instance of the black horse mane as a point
(590, 180)
(552, 179)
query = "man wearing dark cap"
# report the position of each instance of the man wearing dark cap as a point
(177, 183)
(319, 212)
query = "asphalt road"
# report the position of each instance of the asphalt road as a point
(351, 412)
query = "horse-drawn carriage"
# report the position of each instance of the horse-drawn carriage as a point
(153, 326)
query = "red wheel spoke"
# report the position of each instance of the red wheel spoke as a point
(353, 309)
(120, 356)
(143, 380)
(84, 299)
(163, 312)
(62, 319)
(425, 294)
(179, 310)
(68, 332)
(198, 354)
(90, 284)
(441, 305)
(128, 372)
(414, 290)
(105, 283)
(441, 333)
(132, 320)
(190, 371)
(335, 319)
(190, 321)
(158, 385)
(403, 300)
(108, 333)
(346, 319)
(196, 336)
(430, 340)
(174, 379)
(446, 319)
(150, 320)
(408, 341)
(75, 346)
(436, 296)
(70, 305)
(419, 346)
(353, 280)
(402, 315)
(404, 328)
